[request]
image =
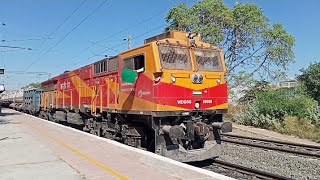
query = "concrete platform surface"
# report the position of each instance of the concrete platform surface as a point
(23, 157)
(32, 148)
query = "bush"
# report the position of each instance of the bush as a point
(287, 101)
(251, 117)
(298, 127)
(315, 115)
(288, 111)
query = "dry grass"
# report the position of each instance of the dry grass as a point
(298, 127)
(232, 110)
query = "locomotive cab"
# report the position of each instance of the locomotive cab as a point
(175, 71)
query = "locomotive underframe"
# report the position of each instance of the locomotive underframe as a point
(181, 135)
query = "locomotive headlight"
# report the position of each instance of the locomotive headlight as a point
(173, 79)
(200, 79)
(218, 81)
(195, 78)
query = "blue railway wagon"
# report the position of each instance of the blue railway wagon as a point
(32, 100)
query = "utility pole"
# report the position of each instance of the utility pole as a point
(2, 72)
(129, 42)
(2, 89)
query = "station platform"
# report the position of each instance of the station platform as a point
(32, 148)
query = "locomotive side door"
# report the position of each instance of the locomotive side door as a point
(112, 92)
(131, 82)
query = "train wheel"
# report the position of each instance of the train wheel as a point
(92, 127)
(97, 128)
(95, 131)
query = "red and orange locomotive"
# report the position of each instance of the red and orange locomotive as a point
(167, 96)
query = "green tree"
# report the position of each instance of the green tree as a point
(310, 79)
(34, 85)
(248, 39)
(251, 93)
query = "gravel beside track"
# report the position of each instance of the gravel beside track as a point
(230, 171)
(291, 166)
(281, 163)
(289, 147)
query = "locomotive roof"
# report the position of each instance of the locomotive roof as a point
(107, 58)
(174, 35)
(168, 34)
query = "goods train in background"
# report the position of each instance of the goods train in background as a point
(167, 96)
(12, 99)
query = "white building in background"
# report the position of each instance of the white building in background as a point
(288, 84)
(237, 92)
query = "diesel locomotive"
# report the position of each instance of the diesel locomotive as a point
(167, 96)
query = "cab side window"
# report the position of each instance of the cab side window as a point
(135, 62)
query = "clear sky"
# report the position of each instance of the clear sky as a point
(35, 19)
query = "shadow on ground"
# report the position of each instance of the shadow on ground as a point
(9, 138)
(7, 121)
(7, 114)
(202, 164)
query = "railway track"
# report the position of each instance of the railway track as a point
(249, 171)
(235, 170)
(283, 146)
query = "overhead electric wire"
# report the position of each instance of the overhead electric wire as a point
(119, 32)
(10, 50)
(53, 32)
(115, 50)
(117, 45)
(26, 72)
(15, 47)
(94, 11)
(31, 39)
(145, 20)
(125, 29)
(138, 36)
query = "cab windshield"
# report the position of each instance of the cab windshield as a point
(175, 57)
(208, 59)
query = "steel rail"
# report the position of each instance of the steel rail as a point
(276, 142)
(273, 141)
(250, 171)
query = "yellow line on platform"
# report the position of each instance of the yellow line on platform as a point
(91, 160)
